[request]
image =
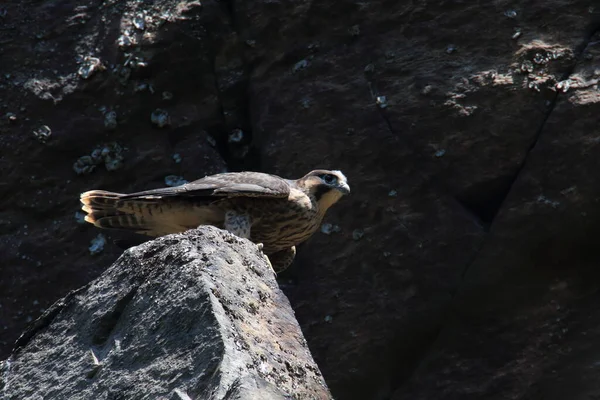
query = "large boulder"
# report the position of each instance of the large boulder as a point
(188, 316)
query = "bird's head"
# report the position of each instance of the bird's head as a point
(327, 186)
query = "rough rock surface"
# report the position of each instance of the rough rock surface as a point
(188, 316)
(463, 264)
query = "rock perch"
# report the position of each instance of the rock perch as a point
(196, 315)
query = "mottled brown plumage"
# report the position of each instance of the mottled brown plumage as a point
(267, 209)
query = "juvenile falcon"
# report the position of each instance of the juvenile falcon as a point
(279, 213)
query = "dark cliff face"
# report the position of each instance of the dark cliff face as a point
(465, 263)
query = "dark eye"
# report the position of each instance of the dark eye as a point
(329, 179)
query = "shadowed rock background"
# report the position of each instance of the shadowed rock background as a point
(463, 266)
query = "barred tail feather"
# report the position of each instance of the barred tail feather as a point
(109, 211)
(150, 216)
(96, 202)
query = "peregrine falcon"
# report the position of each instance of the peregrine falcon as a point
(267, 209)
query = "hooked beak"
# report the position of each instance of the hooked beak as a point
(344, 188)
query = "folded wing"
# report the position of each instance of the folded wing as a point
(230, 184)
(175, 209)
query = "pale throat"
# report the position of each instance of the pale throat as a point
(327, 200)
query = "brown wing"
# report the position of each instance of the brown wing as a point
(229, 184)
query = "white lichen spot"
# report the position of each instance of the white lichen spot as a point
(392, 193)
(89, 66)
(211, 140)
(533, 85)
(527, 66)
(540, 59)
(236, 136)
(564, 86)
(381, 101)
(84, 165)
(134, 63)
(300, 65)
(440, 153)
(160, 118)
(369, 69)
(177, 158)
(328, 228)
(569, 190)
(97, 244)
(167, 95)
(110, 120)
(328, 318)
(510, 13)
(358, 234)
(110, 154)
(516, 34)
(139, 22)
(544, 200)
(126, 40)
(450, 49)
(42, 133)
(174, 180)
